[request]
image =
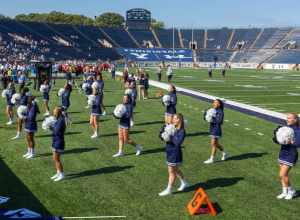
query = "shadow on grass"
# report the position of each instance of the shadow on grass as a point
(20, 196)
(72, 151)
(116, 134)
(104, 170)
(197, 134)
(246, 156)
(149, 123)
(214, 183)
(50, 135)
(151, 151)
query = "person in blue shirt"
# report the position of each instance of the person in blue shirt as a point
(25, 95)
(58, 142)
(124, 129)
(9, 104)
(288, 157)
(96, 111)
(31, 127)
(65, 100)
(174, 156)
(46, 97)
(21, 80)
(215, 130)
(171, 108)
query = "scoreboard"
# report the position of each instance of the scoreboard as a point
(138, 19)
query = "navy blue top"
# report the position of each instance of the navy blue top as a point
(9, 96)
(96, 107)
(125, 120)
(58, 139)
(171, 109)
(101, 85)
(215, 125)
(30, 121)
(146, 83)
(173, 147)
(65, 99)
(142, 81)
(23, 99)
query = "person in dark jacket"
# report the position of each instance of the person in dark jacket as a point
(96, 111)
(46, 97)
(288, 157)
(215, 130)
(100, 81)
(65, 101)
(124, 128)
(25, 95)
(141, 86)
(174, 156)
(171, 108)
(31, 127)
(58, 142)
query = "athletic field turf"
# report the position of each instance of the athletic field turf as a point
(244, 187)
(273, 90)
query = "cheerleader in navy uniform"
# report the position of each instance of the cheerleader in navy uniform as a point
(216, 131)
(141, 86)
(65, 100)
(58, 142)
(133, 96)
(96, 112)
(100, 81)
(174, 156)
(31, 127)
(25, 94)
(9, 104)
(288, 157)
(45, 92)
(171, 108)
(146, 85)
(124, 128)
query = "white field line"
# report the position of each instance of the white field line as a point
(210, 97)
(260, 134)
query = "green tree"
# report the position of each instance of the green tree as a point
(157, 24)
(109, 19)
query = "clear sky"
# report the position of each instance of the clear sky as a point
(180, 13)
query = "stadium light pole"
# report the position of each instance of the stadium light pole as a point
(173, 41)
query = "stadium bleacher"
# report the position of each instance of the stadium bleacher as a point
(206, 55)
(246, 37)
(218, 38)
(143, 37)
(286, 56)
(196, 35)
(166, 38)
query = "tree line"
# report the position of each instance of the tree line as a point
(108, 19)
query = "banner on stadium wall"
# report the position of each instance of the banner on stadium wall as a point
(244, 65)
(278, 66)
(156, 54)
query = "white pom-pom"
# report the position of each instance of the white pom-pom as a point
(210, 114)
(22, 111)
(44, 88)
(95, 85)
(285, 135)
(15, 98)
(61, 92)
(120, 110)
(128, 92)
(91, 100)
(48, 123)
(5, 92)
(85, 86)
(169, 131)
(166, 99)
(165, 136)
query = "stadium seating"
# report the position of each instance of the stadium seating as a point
(166, 38)
(286, 56)
(246, 37)
(120, 37)
(218, 38)
(294, 36)
(188, 35)
(143, 37)
(214, 55)
(253, 56)
(270, 37)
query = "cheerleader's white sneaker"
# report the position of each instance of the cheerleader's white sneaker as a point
(290, 195)
(209, 161)
(282, 195)
(95, 135)
(183, 186)
(59, 177)
(104, 113)
(165, 192)
(30, 156)
(119, 154)
(138, 150)
(224, 156)
(9, 123)
(16, 137)
(26, 155)
(54, 177)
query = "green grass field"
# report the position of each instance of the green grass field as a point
(273, 90)
(244, 187)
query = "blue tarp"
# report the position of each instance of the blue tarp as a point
(156, 54)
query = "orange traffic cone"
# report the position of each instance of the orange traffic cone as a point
(195, 206)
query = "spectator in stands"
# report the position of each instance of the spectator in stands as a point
(21, 80)
(169, 73)
(113, 71)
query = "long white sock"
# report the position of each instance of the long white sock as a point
(212, 157)
(182, 181)
(285, 189)
(290, 189)
(169, 187)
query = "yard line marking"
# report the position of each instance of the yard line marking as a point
(248, 129)
(236, 124)
(260, 134)
(196, 109)
(226, 120)
(94, 217)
